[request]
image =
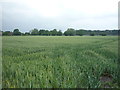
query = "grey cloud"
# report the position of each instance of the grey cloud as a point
(20, 16)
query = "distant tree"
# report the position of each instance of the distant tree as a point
(1, 32)
(59, 33)
(54, 32)
(92, 34)
(27, 33)
(70, 32)
(114, 32)
(16, 32)
(119, 32)
(47, 33)
(79, 32)
(83, 32)
(103, 34)
(34, 32)
(23, 34)
(50, 33)
(88, 32)
(41, 32)
(96, 32)
(66, 33)
(7, 33)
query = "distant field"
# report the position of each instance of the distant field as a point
(60, 61)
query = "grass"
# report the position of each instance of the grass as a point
(59, 61)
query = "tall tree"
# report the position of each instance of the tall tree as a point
(79, 32)
(34, 32)
(47, 33)
(70, 32)
(16, 32)
(59, 33)
(41, 32)
(54, 32)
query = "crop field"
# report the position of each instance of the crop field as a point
(60, 61)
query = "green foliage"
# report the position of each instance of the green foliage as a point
(34, 32)
(16, 32)
(42, 32)
(48, 33)
(54, 32)
(27, 33)
(92, 34)
(103, 34)
(79, 32)
(7, 33)
(70, 32)
(59, 33)
(58, 62)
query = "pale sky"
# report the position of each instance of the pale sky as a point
(60, 14)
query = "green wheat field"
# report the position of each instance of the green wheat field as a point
(59, 61)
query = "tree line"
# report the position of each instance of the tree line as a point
(55, 32)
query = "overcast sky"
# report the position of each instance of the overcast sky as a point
(59, 14)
